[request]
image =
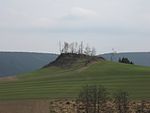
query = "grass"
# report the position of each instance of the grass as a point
(56, 82)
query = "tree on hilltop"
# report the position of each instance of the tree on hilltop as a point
(77, 48)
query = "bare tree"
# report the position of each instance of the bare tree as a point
(121, 101)
(92, 98)
(60, 47)
(93, 52)
(79, 49)
(71, 47)
(102, 99)
(82, 47)
(87, 50)
(76, 47)
(66, 47)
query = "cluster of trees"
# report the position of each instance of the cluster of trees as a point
(77, 48)
(125, 60)
(93, 99)
(122, 101)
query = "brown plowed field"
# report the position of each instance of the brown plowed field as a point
(24, 106)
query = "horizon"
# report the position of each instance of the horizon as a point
(59, 53)
(110, 25)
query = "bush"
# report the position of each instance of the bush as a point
(125, 60)
(92, 99)
(121, 101)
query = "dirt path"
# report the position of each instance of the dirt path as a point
(10, 78)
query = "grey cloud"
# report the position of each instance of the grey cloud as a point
(99, 19)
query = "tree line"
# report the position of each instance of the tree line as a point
(94, 99)
(76, 48)
(125, 60)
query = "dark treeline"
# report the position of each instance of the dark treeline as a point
(125, 60)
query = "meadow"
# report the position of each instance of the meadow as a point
(55, 82)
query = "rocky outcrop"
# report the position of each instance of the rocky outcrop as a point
(67, 60)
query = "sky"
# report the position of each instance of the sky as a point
(39, 25)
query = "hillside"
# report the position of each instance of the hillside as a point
(139, 58)
(58, 82)
(12, 63)
(68, 60)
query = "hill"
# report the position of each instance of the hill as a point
(68, 60)
(139, 58)
(58, 82)
(12, 63)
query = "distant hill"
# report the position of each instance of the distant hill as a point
(12, 63)
(139, 58)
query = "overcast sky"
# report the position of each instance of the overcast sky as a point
(38, 25)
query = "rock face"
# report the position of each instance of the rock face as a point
(72, 59)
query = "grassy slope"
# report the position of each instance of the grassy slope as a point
(58, 83)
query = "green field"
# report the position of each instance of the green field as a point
(54, 82)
